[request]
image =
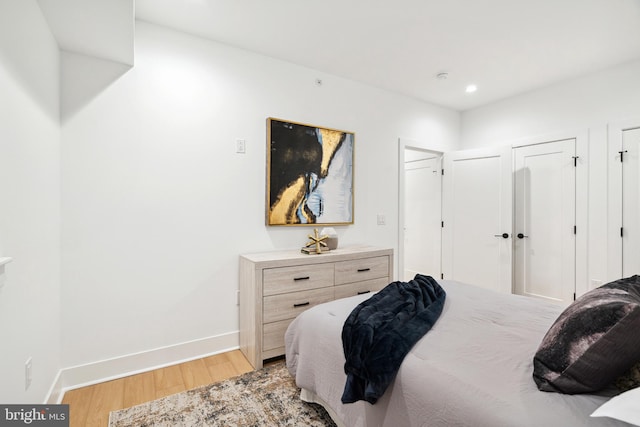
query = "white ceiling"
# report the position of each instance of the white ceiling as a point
(505, 47)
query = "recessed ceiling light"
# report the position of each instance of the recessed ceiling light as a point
(471, 88)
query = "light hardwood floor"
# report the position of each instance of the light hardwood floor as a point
(90, 406)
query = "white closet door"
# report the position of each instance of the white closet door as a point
(477, 212)
(422, 234)
(544, 238)
(631, 202)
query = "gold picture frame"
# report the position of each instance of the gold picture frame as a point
(309, 174)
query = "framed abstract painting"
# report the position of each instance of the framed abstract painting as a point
(309, 174)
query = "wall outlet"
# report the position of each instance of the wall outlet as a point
(382, 220)
(27, 373)
(241, 146)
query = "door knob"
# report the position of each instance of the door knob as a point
(503, 235)
(521, 236)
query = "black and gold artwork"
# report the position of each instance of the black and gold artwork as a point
(309, 174)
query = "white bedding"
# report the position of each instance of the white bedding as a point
(472, 369)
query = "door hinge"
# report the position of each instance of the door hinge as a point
(575, 229)
(441, 171)
(442, 224)
(574, 296)
(575, 161)
(622, 155)
(442, 275)
(621, 232)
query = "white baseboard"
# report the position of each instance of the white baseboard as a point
(55, 394)
(122, 366)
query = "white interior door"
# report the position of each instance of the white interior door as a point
(544, 233)
(422, 214)
(477, 214)
(630, 202)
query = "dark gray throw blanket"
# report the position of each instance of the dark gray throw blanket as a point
(380, 331)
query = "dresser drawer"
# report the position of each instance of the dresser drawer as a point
(288, 306)
(273, 334)
(291, 279)
(367, 286)
(361, 269)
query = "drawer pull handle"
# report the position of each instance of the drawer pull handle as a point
(302, 304)
(295, 279)
(362, 270)
(363, 292)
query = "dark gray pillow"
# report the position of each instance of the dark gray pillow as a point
(629, 380)
(594, 341)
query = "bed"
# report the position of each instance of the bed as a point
(473, 368)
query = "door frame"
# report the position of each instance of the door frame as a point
(404, 144)
(582, 197)
(614, 191)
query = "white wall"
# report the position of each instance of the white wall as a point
(587, 104)
(29, 202)
(157, 205)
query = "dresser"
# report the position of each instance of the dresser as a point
(277, 286)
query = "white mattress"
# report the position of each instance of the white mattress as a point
(472, 369)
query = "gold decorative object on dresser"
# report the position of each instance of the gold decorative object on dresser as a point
(277, 286)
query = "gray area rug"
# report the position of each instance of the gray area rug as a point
(267, 397)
